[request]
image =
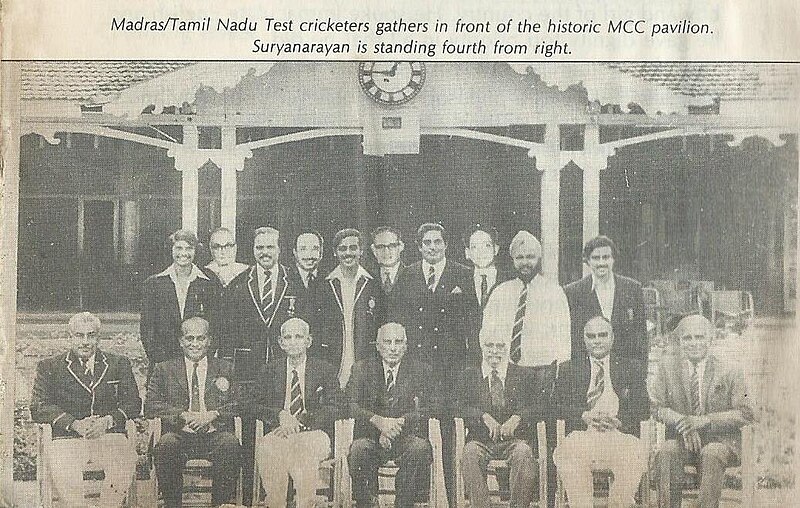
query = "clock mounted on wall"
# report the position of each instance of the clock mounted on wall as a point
(391, 83)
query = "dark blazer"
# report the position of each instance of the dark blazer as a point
(321, 395)
(327, 319)
(376, 272)
(629, 379)
(627, 320)
(527, 392)
(474, 355)
(248, 327)
(168, 393)
(724, 398)
(160, 325)
(61, 396)
(415, 396)
(296, 280)
(438, 324)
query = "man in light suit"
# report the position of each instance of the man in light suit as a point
(298, 405)
(606, 293)
(390, 398)
(603, 400)
(704, 404)
(87, 395)
(195, 397)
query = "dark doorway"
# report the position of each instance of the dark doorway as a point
(99, 263)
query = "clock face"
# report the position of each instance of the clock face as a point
(391, 82)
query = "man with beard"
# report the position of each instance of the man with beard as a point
(481, 248)
(604, 292)
(308, 248)
(532, 308)
(347, 308)
(387, 246)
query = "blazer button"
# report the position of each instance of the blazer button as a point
(420, 309)
(419, 345)
(435, 346)
(442, 311)
(420, 327)
(435, 328)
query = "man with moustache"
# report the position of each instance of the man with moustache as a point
(223, 249)
(87, 395)
(532, 308)
(481, 248)
(604, 292)
(308, 249)
(387, 246)
(347, 308)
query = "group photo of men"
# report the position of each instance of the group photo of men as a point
(496, 344)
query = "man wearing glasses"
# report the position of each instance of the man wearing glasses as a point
(387, 246)
(347, 309)
(223, 250)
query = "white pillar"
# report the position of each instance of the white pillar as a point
(228, 183)
(549, 163)
(190, 188)
(592, 161)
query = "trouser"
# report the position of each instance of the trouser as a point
(476, 460)
(174, 449)
(70, 457)
(583, 452)
(298, 456)
(413, 456)
(711, 463)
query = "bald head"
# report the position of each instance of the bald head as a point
(392, 343)
(694, 336)
(84, 334)
(295, 338)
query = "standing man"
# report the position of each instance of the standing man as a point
(195, 397)
(223, 250)
(308, 249)
(387, 246)
(603, 399)
(704, 404)
(500, 403)
(605, 293)
(481, 248)
(298, 405)
(87, 395)
(390, 399)
(347, 308)
(168, 298)
(532, 308)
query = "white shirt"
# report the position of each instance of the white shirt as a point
(88, 364)
(392, 271)
(387, 369)
(262, 279)
(486, 371)
(546, 327)
(301, 374)
(701, 371)
(227, 272)
(202, 370)
(348, 307)
(182, 287)
(438, 268)
(608, 401)
(305, 274)
(491, 278)
(605, 295)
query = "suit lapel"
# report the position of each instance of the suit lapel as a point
(708, 382)
(183, 383)
(360, 285)
(255, 291)
(70, 361)
(280, 289)
(617, 298)
(336, 287)
(686, 382)
(584, 376)
(101, 366)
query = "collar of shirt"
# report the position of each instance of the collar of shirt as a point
(701, 368)
(262, 274)
(394, 370)
(202, 370)
(603, 286)
(171, 271)
(228, 271)
(502, 370)
(88, 363)
(305, 274)
(391, 270)
(438, 268)
(489, 271)
(605, 362)
(337, 274)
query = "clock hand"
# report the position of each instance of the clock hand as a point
(393, 70)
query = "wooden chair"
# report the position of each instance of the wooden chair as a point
(437, 497)
(603, 474)
(196, 473)
(44, 443)
(499, 468)
(732, 303)
(748, 463)
(328, 470)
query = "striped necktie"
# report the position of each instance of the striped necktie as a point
(484, 289)
(496, 392)
(431, 280)
(599, 385)
(390, 382)
(266, 293)
(696, 390)
(296, 406)
(519, 319)
(194, 404)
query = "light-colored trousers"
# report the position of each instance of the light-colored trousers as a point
(70, 457)
(297, 456)
(583, 452)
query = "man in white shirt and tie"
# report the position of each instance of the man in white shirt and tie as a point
(298, 405)
(387, 246)
(308, 249)
(603, 399)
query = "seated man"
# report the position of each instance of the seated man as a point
(197, 421)
(704, 403)
(390, 398)
(500, 403)
(603, 400)
(87, 395)
(297, 402)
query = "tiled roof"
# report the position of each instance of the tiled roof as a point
(81, 81)
(731, 81)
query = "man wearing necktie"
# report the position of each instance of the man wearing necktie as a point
(390, 398)
(704, 403)
(195, 397)
(500, 403)
(298, 405)
(86, 395)
(602, 399)
(387, 246)
(308, 249)
(533, 308)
